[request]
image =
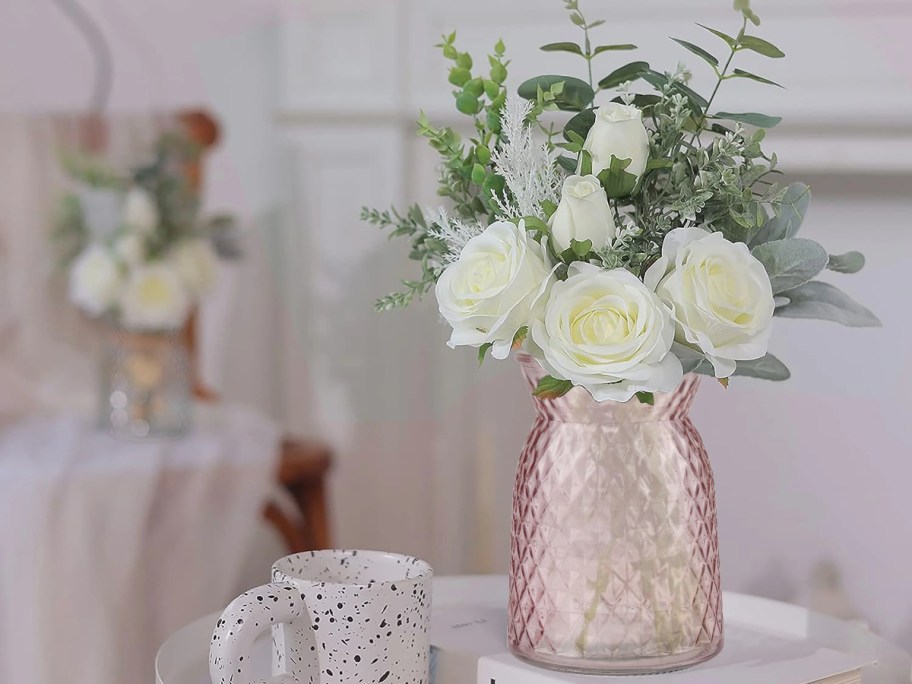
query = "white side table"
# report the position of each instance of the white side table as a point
(183, 657)
(107, 546)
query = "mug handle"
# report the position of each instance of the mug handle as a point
(245, 618)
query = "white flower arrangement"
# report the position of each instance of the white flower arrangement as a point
(137, 252)
(647, 241)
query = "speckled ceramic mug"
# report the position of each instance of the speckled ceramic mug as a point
(336, 616)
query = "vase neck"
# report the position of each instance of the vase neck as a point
(578, 406)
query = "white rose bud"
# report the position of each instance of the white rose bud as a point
(607, 332)
(498, 284)
(155, 299)
(583, 214)
(618, 130)
(719, 293)
(95, 280)
(140, 212)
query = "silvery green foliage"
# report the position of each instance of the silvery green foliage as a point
(454, 232)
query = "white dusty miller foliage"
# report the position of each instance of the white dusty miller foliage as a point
(528, 167)
(453, 232)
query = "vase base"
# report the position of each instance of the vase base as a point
(623, 666)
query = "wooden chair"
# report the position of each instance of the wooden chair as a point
(304, 464)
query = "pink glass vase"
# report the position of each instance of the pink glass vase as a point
(615, 553)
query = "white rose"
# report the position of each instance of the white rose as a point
(497, 285)
(720, 296)
(95, 280)
(155, 299)
(131, 248)
(618, 130)
(583, 214)
(196, 264)
(606, 331)
(140, 212)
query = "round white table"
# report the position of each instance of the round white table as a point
(107, 546)
(470, 623)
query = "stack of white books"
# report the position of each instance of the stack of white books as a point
(469, 645)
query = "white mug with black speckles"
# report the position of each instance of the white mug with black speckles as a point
(336, 616)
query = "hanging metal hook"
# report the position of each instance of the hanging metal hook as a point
(101, 51)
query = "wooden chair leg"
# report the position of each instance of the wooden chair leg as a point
(303, 469)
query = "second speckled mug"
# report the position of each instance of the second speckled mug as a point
(336, 616)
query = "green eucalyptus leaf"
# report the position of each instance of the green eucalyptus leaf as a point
(823, 301)
(548, 207)
(567, 163)
(761, 46)
(459, 76)
(464, 59)
(790, 262)
(765, 368)
(562, 47)
(579, 125)
(646, 398)
(491, 89)
(478, 174)
(576, 94)
(850, 262)
(616, 181)
(551, 388)
(698, 51)
(793, 207)
(467, 104)
(724, 36)
(740, 73)
(628, 72)
(474, 87)
(641, 101)
(611, 48)
(498, 73)
(750, 118)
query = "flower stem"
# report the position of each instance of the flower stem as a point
(720, 77)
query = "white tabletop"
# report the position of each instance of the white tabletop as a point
(109, 545)
(183, 657)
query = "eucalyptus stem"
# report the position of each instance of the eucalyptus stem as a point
(720, 76)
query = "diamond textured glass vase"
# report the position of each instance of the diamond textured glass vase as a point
(615, 553)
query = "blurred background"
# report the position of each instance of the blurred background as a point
(315, 101)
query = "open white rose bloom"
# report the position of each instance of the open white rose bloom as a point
(642, 238)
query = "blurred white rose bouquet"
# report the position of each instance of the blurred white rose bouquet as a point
(136, 249)
(643, 236)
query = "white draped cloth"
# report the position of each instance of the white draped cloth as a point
(108, 546)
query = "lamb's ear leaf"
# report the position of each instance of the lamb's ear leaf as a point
(825, 302)
(850, 262)
(790, 262)
(765, 368)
